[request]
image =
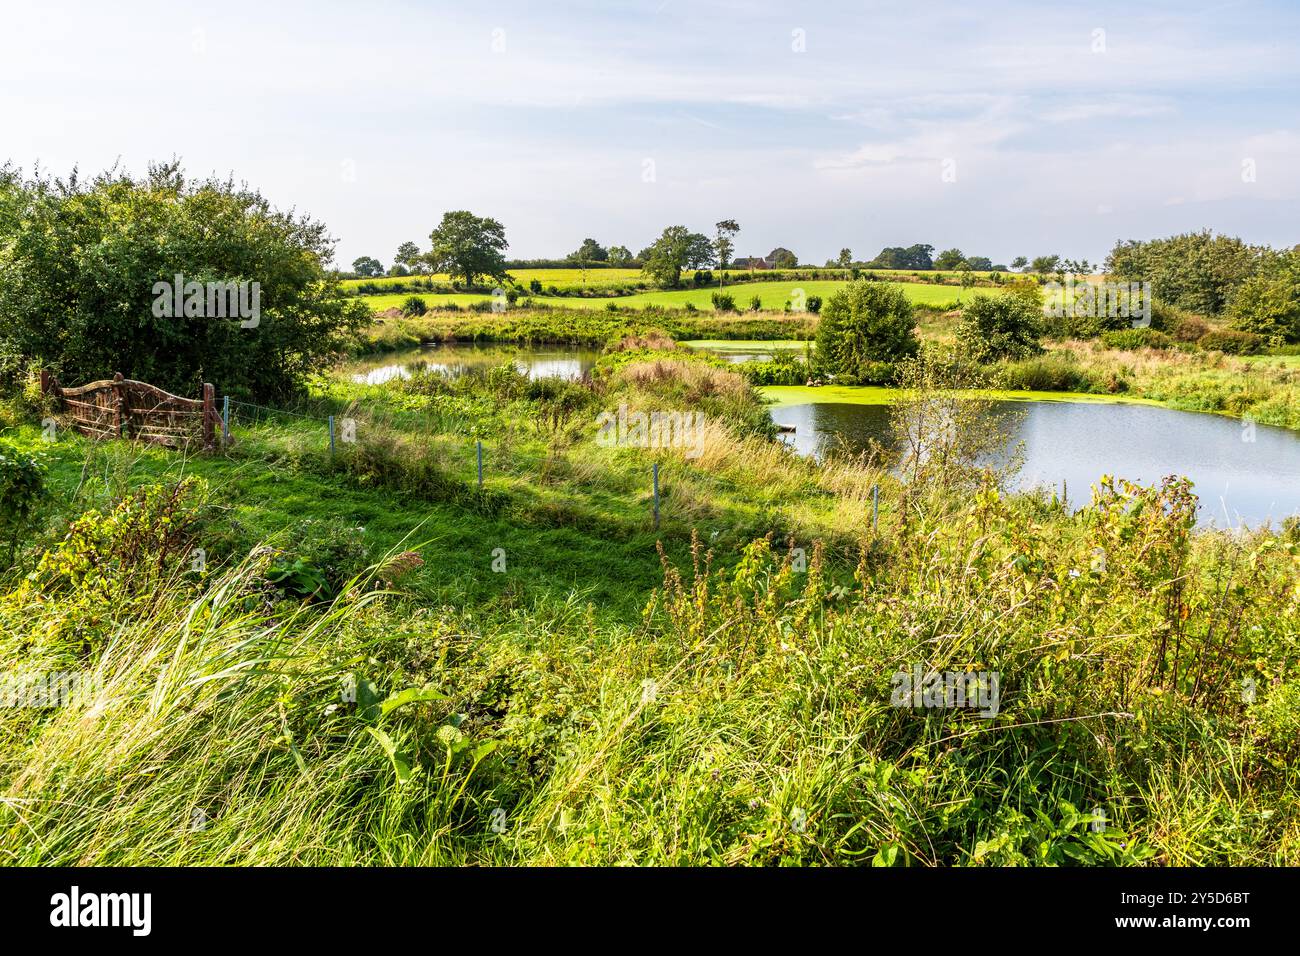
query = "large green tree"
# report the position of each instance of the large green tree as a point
(467, 246)
(1197, 271)
(896, 257)
(408, 254)
(863, 326)
(589, 251)
(949, 259)
(368, 267)
(81, 262)
(782, 258)
(676, 249)
(1044, 265)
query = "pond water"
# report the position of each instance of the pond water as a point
(454, 359)
(1240, 477)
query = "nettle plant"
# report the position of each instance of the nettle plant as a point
(22, 487)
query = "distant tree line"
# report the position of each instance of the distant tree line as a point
(1256, 287)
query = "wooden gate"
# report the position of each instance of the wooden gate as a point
(122, 408)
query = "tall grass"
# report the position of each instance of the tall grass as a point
(745, 716)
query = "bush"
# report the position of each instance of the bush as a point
(89, 272)
(863, 324)
(1231, 342)
(1186, 327)
(1166, 317)
(22, 486)
(814, 303)
(413, 306)
(1007, 326)
(703, 277)
(755, 303)
(535, 286)
(1268, 306)
(1130, 339)
(724, 302)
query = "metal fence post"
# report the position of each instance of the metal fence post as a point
(225, 419)
(331, 436)
(656, 487)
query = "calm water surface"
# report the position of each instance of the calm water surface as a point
(456, 359)
(1238, 481)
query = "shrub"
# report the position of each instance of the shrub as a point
(1130, 339)
(862, 324)
(1186, 327)
(1268, 306)
(22, 486)
(89, 269)
(1045, 373)
(413, 305)
(1007, 326)
(814, 303)
(702, 278)
(755, 303)
(535, 286)
(724, 302)
(1231, 341)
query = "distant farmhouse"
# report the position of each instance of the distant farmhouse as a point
(776, 259)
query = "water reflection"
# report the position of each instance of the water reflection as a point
(456, 359)
(1238, 481)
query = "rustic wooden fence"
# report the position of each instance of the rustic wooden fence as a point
(122, 408)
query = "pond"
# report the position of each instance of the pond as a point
(454, 359)
(1242, 476)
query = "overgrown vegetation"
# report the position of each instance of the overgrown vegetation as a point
(91, 272)
(348, 680)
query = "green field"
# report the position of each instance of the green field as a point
(568, 279)
(560, 278)
(773, 295)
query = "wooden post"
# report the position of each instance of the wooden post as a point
(480, 467)
(209, 416)
(120, 411)
(656, 486)
(45, 381)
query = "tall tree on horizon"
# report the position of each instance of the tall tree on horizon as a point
(724, 246)
(468, 246)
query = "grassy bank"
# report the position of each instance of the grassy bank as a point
(525, 326)
(773, 296)
(522, 677)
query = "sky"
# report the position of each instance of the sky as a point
(1000, 128)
